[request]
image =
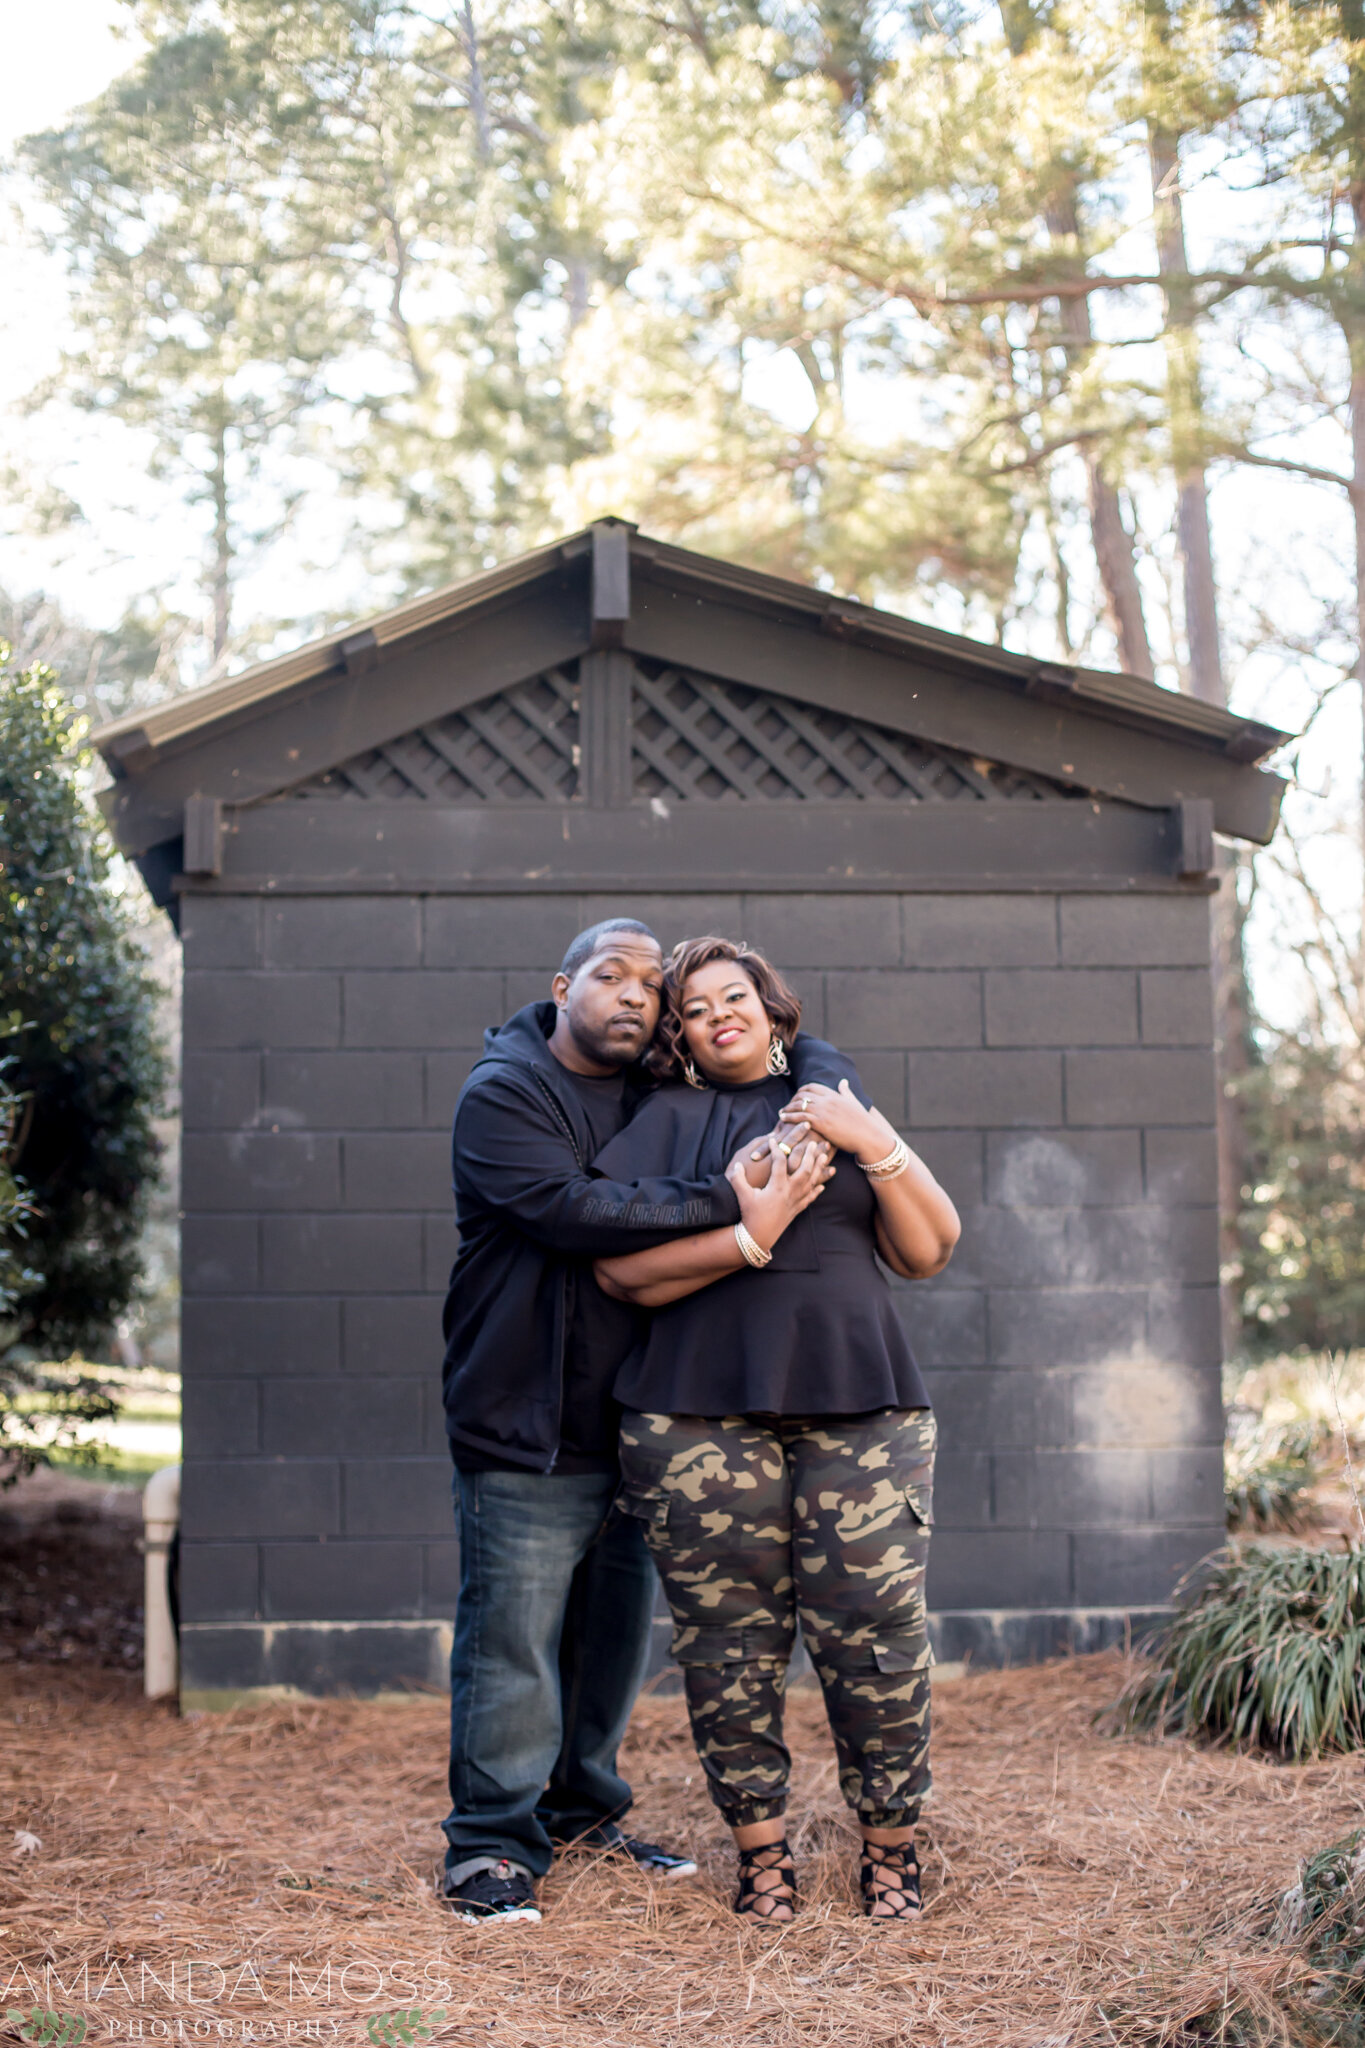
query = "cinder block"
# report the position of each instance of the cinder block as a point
(498, 931)
(220, 1418)
(342, 1254)
(1000, 1568)
(1072, 1489)
(383, 1418)
(345, 1581)
(265, 1337)
(985, 1088)
(890, 1007)
(883, 1076)
(394, 1334)
(1187, 1486)
(441, 1577)
(220, 931)
(946, 1325)
(1063, 1169)
(220, 1090)
(302, 1418)
(1147, 1406)
(670, 918)
(219, 1255)
(397, 1496)
(1061, 1006)
(1135, 931)
(1066, 1325)
(979, 931)
(1015, 1248)
(1184, 1324)
(1150, 1243)
(955, 1160)
(1139, 1087)
(245, 1010)
(446, 1074)
(435, 1438)
(222, 1655)
(343, 931)
(1135, 1567)
(440, 1243)
(1182, 1166)
(260, 1170)
(1177, 1006)
(825, 931)
(220, 1582)
(1005, 1410)
(430, 1009)
(962, 1490)
(235, 1497)
(397, 1170)
(339, 1091)
(520, 986)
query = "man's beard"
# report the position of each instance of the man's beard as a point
(607, 1049)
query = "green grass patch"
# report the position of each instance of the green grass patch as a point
(1267, 1651)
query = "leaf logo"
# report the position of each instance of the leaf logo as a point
(401, 2029)
(49, 2029)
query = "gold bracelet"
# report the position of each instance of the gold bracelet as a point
(893, 1166)
(751, 1250)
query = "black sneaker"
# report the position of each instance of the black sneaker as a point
(502, 1893)
(658, 1862)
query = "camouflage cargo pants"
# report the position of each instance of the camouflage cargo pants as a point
(758, 1523)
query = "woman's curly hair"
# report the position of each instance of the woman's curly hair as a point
(665, 1057)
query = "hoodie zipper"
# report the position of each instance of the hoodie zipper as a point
(557, 1111)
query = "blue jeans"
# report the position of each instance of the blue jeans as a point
(551, 1642)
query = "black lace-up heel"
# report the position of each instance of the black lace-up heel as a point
(760, 1902)
(899, 1900)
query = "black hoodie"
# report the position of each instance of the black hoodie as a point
(527, 1206)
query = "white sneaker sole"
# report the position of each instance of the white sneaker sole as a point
(495, 1919)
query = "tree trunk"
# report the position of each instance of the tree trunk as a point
(1184, 405)
(1118, 571)
(221, 568)
(1109, 536)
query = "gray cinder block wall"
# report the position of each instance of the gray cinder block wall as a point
(1050, 1054)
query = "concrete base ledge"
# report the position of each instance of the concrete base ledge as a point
(235, 1664)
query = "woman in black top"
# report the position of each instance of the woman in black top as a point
(777, 1439)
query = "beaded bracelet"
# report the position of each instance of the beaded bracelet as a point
(894, 1164)
(751, 1250)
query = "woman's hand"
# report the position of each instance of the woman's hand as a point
(793, 1184)
(789, 1139)
(836, 1115)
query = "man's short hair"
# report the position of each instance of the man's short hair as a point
(591, 941)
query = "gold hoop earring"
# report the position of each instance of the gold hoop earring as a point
(691, 1076)
(777, 1056)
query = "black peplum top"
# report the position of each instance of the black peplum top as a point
(814, 1333)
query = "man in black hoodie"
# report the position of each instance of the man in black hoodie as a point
(556, 1591)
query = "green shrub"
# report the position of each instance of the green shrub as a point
(1267, 1651)
(76, 1011)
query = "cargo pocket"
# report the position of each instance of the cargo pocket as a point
(919, 1497)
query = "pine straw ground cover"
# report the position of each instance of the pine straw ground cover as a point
(1082, 1890)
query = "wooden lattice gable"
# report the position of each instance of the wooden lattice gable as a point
(691, 738)
(616, 679)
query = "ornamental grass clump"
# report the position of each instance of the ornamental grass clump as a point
(1266, 1485)
(1267, 1651)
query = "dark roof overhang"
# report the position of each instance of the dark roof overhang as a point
(621, 587)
